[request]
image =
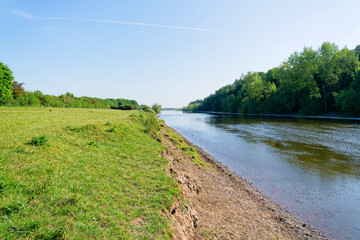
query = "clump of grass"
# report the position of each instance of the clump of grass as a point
(56, 234)
(93, 143)
(150, 122)
(39, 140)
(87, 127)
(108, 124)
(111, 130)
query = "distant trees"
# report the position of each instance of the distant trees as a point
(12, 93)
(156, 107)
(6, 80)
(308, 82)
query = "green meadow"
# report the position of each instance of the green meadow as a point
(82, 174)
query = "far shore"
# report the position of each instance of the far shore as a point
(324, 117)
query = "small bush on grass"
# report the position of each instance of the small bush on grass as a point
(39, 140)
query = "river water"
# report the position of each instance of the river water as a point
(310, 167)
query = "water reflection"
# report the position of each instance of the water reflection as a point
(330, 148)
(311, 167)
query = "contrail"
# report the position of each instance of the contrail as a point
(23, 14)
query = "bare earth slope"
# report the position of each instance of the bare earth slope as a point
(218, 204)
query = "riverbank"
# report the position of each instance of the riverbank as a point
(218, 204)
(82, 174)
(323, 117)
(100, 174)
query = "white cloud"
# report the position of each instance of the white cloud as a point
(23, 14)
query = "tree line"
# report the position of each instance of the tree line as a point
(12, 93)
(310, 82)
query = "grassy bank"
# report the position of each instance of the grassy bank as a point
(96, 174)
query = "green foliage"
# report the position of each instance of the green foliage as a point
(17, 89)
(192, 106)
(39, 140)
(12, 93)
(150, 122)
(126, 107)
(6, 80)
(156, 107)
(309, 82)
(148, 109)
(348, 99)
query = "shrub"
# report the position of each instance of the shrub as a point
(152, 125)
(156, 107)
(126, 107)
(39, 140)
(147, 109)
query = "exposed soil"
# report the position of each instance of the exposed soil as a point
(218, 204)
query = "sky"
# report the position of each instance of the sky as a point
(169, 52)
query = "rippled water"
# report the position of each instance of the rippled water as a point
(310, 167)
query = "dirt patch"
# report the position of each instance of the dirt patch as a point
(218, 204)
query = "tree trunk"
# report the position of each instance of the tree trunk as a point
(325, 105)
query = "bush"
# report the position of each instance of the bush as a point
(156, 107)
(147, 109)
(39, 140)
(124, 107)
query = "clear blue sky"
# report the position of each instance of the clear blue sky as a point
(170, 52)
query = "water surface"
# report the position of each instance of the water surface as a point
(310, 167)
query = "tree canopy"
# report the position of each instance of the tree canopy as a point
(6, 80)
(309, 82)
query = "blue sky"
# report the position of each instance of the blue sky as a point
(170, 52)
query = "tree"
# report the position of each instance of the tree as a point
(348, 63)
(156, 107)
(298, 89)
(348, 99)
(6, 80)
(328, 70)
(17, 89)
(357, 51)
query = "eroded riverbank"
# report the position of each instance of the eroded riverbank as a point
(218, 204)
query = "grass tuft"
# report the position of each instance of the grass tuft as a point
(39, 140)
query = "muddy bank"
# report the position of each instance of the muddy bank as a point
(217, 204)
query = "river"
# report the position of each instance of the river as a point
(310, 167)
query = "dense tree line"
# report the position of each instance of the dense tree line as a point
(310, 82)
(12, 93)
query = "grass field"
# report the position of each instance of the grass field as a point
(98, 175)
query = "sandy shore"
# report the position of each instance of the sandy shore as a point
(218, 204)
